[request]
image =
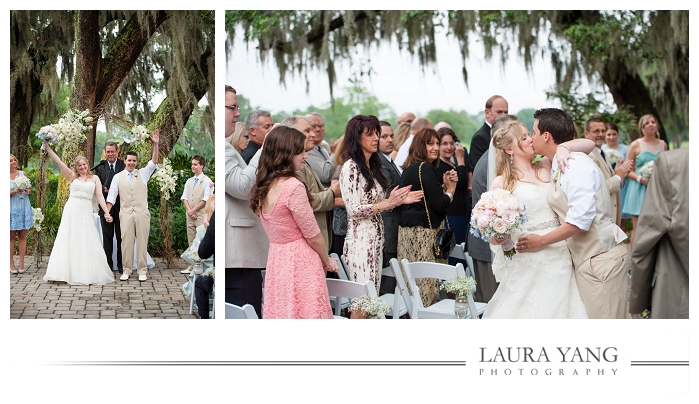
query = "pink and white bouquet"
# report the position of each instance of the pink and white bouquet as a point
(49, 134)
(496, 215)
(647, 169)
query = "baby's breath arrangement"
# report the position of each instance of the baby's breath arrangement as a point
(192, 255)
(210, 272)
(460, 286)
(370, 306)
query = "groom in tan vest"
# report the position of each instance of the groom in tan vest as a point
(131, 186)
(581, 200)
(196, 192)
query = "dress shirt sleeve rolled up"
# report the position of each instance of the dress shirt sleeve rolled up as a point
(580, 182)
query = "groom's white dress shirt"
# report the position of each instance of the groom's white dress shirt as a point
(575, 183)
(144, 175)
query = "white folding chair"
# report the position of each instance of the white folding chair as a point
(195, 273)
(443, 308)
(341, 288)
(402, 287)
(342, 273)
(460, 252)
(237, 312)
(395, 300)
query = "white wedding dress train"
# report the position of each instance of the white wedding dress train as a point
(536, 284)
(77, 256)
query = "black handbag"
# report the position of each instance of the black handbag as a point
(444, 241)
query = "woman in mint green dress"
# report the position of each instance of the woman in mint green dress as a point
(642, 150)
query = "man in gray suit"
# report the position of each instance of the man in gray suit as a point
(323, 199)
(478, 249)
(660, 251)
(318, 158)
(246, 241)
(390, 219)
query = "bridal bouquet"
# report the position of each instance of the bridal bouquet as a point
(647, 169)
(38, 218)
(373, 307)
(140, 133)
(167, 178)
(49, 134)
(72, 126)
(497, 214)
(22, 183)
(613, 157)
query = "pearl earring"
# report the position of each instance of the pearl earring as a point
(511, 159)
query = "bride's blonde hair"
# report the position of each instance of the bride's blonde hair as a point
(75, 167)
(504, 138)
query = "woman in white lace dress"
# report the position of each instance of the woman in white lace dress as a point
(539, 284)
(77, 257)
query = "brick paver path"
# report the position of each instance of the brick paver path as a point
(161, 296)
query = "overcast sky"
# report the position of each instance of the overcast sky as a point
(398, 80)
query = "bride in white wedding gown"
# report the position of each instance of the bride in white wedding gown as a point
(532, 284)
(77, 257)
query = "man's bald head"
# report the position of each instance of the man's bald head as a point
(420, 123)
(406, 117)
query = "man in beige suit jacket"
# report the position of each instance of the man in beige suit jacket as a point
(131, 186)
(580, 199)
(660, 252)
(247, 244)
(323, 199)
(614, 178)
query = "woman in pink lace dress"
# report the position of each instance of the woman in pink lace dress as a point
(295, 279)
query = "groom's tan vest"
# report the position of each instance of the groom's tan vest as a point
(194, 196)
(603, 234)
(134, 197)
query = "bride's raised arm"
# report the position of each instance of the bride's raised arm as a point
(67, 172)
(564, 149)
(98, 194)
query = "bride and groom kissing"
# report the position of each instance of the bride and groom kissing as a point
(571, 261)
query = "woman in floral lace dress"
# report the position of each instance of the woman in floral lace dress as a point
(364, 190)
(295, 284)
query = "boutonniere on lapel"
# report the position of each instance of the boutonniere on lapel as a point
(135, 173)
(554, 178)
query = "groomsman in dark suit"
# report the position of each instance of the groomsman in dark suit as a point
(390, 219)
(105, 170)
(494, 107)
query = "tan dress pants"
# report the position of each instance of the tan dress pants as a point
(603, 283)
(134, 229)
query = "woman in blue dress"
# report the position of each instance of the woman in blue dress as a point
(21, 216)
(642, 150)
(612, 144)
